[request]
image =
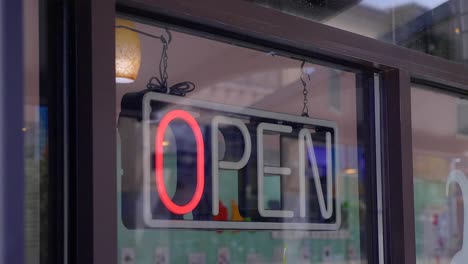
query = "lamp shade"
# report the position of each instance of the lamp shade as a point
(127, 52)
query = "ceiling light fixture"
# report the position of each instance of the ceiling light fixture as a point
(127, 52)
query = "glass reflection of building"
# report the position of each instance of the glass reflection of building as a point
(439, 28)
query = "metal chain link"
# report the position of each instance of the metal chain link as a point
(163, 64)
(166, 58)
(305, 92)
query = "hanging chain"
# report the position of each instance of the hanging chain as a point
(305, 92)
(163, 64)
(161, 84)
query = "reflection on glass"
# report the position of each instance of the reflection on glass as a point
(35, 140)
(436, 27)
(440, 165)
(233, 75)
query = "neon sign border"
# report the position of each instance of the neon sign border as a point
(230, 225)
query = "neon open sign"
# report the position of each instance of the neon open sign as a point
(285, 167)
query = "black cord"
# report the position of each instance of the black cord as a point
(182, 88)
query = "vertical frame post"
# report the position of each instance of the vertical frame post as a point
(93, 155)
(51, 96)
(365, 104)
(398, 199)
(11, 137)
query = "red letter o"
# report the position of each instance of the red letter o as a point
(159, 157)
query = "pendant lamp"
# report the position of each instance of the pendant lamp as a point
(127, 52)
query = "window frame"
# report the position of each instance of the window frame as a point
(92, 47)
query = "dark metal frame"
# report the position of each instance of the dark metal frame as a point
(397, 165)
(365, 102)
(93, 192)
(78, 80)
(89, 79)
(51, 95)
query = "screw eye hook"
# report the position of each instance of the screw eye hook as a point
(169, 37)
(303, 71)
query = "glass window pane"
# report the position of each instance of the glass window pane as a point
(435, 27)
(440, 165)
(35, 131)
(245, 101)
